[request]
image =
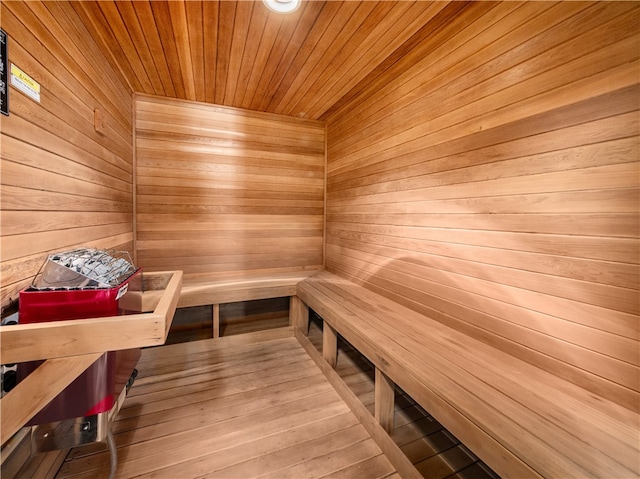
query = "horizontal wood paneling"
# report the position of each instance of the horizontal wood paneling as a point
(238, 53)
(490, 179)
(63, 184)
(227, 190)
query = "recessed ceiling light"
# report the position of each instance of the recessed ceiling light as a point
(282, 6)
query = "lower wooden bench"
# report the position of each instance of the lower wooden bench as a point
(217, 289)
(520, 420)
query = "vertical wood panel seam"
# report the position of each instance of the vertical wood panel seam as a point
(134, 176)
(324, 209)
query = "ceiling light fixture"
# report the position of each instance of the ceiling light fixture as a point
(282, 6)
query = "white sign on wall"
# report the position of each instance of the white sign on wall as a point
(23, 82)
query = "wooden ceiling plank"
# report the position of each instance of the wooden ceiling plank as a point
(120, 31)
(392, 31)
(99, 27)
(210, 39)
(344, 48)
(337, 35)
(181, 39)
(250, 60)
(164, 27)
(336, 38)
(268, 43)
(283, 52)
(195, 22)
(237, 53)
(368, 36)
(138, 37)
(304, 45)
(432, 55)
(226, 20)
(447, 60)
(147, 23)
(557, 43)
(430, 28)
(240, 39)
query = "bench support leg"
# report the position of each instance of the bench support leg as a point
(216, 320)
(384, 400)
(299, 315)
(330, 345)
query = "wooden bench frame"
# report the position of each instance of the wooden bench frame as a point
(520, 420)
(214, 290)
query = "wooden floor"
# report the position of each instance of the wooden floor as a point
(236, 407)
(255, 405)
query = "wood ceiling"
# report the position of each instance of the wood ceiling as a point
(238, 53)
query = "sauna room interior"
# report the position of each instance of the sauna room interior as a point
(372, 239)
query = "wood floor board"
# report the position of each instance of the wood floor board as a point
(260, 408)
(177, 352)
(193, 376)
(376, 467)
(221, 438)
(210, 437)
(234, 387)
(213, 415)
(296, 460)
(256, 405)
(218, 403)
(412, 431)
(139, 428)
(324, 460)
(248, 451)
(43, 465)
(230, 328)
(446, 463)
(474, 471)
(240, 379)
(427, 447)
(155, 369)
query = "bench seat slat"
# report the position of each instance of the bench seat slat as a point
(613, 438)
(204, 289)
(463, 427)
(506, 373)
(530, 413)
(409, 370)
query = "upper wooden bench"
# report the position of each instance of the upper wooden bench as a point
(520, 420)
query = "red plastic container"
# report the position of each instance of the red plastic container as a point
(96, 390)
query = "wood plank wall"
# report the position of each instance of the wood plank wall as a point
(63, 184)
(487, 175)
(223, 190)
